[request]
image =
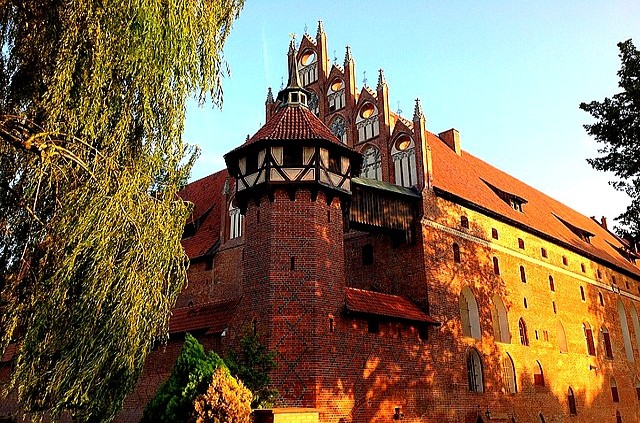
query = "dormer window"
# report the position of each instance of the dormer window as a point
(583, 234)
(514, 201)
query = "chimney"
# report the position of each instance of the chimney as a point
(451, 137)
(603, 222)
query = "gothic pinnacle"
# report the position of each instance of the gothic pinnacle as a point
(381, 81)
(320, 29)
(270, 96)
(347, 56)
(417, 111)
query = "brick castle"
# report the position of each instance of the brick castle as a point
(398, 277)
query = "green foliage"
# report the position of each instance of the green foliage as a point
(225, 401)
(92, 105)
(617, 127)
(190, 377)
(252, 364)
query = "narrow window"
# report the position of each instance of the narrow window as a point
(496, 266)
(494, 233)
(562, 339)
(525, 305)
(553, 304)
(535, 332)
(598, 274)
(571, 399)
(545, 336)
(423, 332)
(456, 253)
(331, 325)
(588, 337)
(582, 296)
(509, 375)
(524, 338)
(474, 371)
(614, 391)
(523, 275)
(367, 255)
(538, 376)
(541, 418)
(292, 264)
(600, 298)
(565, 261)
(373, 326)
(464, 222)
(613, 279)
(638, 389)
(626, 335)
(254, 325)
(626, 284)
(618, 417)
(521, 243)
(208, 263)
(552, 286)
(606, 339)
(583, 268)
(543, 252)
(328, 216)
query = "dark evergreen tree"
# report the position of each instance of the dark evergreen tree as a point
(617, 127)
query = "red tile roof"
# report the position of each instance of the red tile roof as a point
(294, 123)
(206, 195)
(386, 305)
(214, 317)
(462, 176)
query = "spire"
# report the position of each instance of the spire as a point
(320, 29)
(347, 56)
(270, 96)
(293, 93)
(381, 81)
(417, 111)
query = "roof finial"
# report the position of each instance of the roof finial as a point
(306, 29)
(320, 28)
(347, 56)
(335, 57)
(381, 81)
(417, 111)
(281, 83)
(364, 78)
(294, 76)
(270, 96)
(293, 93)
(399, 109)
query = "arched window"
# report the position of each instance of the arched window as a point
(313, 103)
(509, 375)
(336, 95)
(371, 167)
(236, 222)
(367, 122)
(626, 336)
(474, 371)
(456, 253)
(339, 128)
(500, 322)
(469, 314)
(538, 376)
(464, 222)
(562, 338)
(588, 337)
(614, 390)
(571, 399)
(523, 275)
(636, 324)
(618, 417)
(496, 266)
(524, 338)
(606, 340)
(552, 285)
(404, 161)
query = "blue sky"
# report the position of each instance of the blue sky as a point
(508, 75)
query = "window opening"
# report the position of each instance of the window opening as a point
(494, 233)
(509, 375)
(565, 261)
(606, 339)
(626, 336)
(496, 266)
(525, 306)
(367, 255)
(583, 268)
(562, 339)
(571, 399)
(470, 317)
(543, 252)
(474, 371)
(552, 286)
(292, 265)
(521, 243)
(538, 376)
(614, 391)
(524, 338)
(523, 275)
(582, 295)
(464, 222)
(292, 155)
(456, 253)
(588, 336)
(600, 298)
(373, 326)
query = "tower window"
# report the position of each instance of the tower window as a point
(553, 305)
(583, 268)
(292, 265)
(614, 391)
(292, 155)
(522, 327)
(523, 275)
(373, 326)
(494, 233)
(367, 255)
(606, 340)
(552, 286)
(600, 298)
(526, 306)
(543, 252)
(598, 274)
(464, 222)
(582, 296)
(521, 243)
(588, 337)
(565, 261)
(331, 325)
(496, 266)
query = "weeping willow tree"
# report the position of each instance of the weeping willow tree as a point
(92, 106)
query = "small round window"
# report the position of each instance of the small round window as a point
(403, 142)
(308, 57)
(367, 111)
(337, 85)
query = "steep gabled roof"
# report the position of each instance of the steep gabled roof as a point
(468, 179)
(206, 196)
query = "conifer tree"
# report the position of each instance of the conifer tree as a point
(92, 106)
(617, 127)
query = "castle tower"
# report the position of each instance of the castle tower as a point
(293, 181)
